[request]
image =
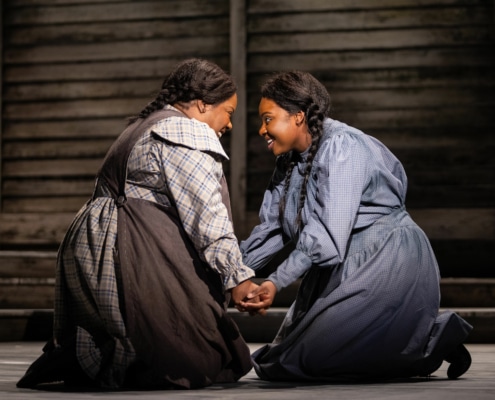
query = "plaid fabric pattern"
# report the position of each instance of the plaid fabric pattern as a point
(87, 293)
(179, 162)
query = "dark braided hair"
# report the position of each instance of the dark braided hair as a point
(192, 79)
(296, 91)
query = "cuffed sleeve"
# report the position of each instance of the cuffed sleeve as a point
(290, 270)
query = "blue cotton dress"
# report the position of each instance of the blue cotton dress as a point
(368, 304)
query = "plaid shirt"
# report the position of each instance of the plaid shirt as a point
(179, 161)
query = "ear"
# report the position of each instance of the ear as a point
(299, 118)
(202, 107)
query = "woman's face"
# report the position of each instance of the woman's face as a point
(219, 116)
(282, 131)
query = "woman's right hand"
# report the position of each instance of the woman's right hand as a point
(260, 299)
(241, 292)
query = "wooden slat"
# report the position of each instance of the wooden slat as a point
(22, 296)
(107, 11)
(47, 187)
(101, 70)
(266, 6)
(122, 50)
(33, 229)
(468, 292)
(57, 149)
(346, 20)
(81, 90)
(96, 108)
(40, 204)
(372, 58)
(88, 128)
(27, 264)
(51, 168)
(387, 39)
(24, 3)
(116, 31)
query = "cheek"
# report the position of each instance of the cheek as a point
(279, 132)
(215, 124)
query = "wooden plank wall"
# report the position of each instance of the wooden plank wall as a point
(420, 76)
(73, 71)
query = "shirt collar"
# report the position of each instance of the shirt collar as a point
(190, 133)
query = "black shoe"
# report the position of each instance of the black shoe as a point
(53, 365)
(460, 361)
(46, 369)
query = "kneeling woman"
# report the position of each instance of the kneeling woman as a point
(368, 303)
(145, 270)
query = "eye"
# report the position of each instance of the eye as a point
(267, 120)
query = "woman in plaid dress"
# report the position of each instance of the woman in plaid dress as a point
(148, 265)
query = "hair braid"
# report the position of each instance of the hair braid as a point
(315, 125)
(291, 163)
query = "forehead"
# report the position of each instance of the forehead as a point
(268, 106)
(231, 102)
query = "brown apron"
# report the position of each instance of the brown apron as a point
(175, 308)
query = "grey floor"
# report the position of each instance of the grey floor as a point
(478, 383)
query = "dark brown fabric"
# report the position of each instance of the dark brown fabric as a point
(175, 309)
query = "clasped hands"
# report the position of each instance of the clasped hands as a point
(252, 298)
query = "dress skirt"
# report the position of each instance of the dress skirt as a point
(136, 307)
(374, 316)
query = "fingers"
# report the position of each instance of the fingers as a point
(256, 301)
(258, 291)
(253, 307)
(249, 306)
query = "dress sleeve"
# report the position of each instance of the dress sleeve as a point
(341, 174)
(194, 181)
(267, 238)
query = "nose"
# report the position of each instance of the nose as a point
(229, 126)
(262, 131)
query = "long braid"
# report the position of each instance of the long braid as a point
(315, 125)
(291, 163)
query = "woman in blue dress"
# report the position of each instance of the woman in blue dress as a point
(368, 303)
